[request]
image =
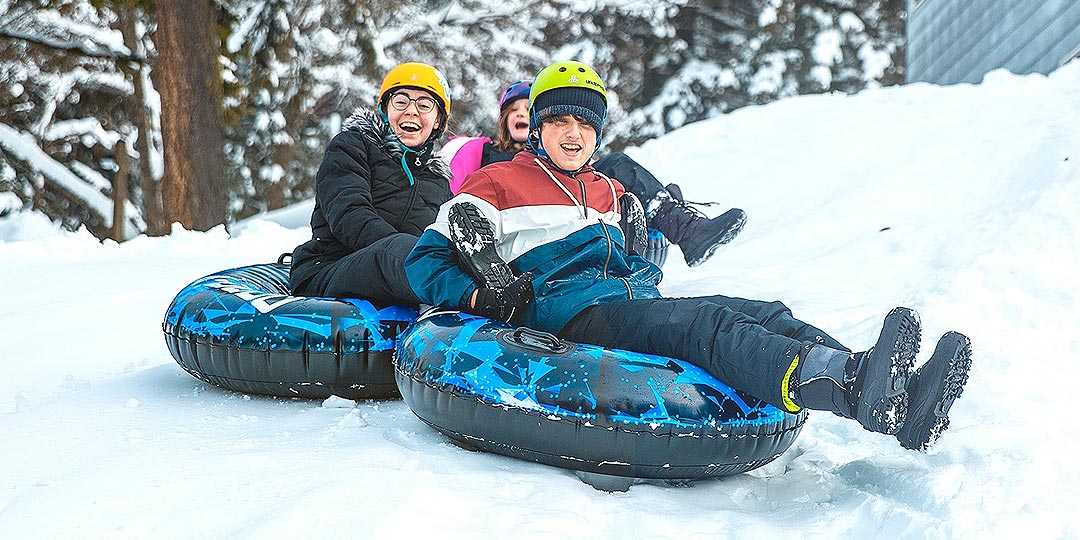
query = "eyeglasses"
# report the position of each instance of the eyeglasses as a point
(401, 101)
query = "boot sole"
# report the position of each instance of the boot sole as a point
(883, 405)
(729, 233)
(474, 239)
(929, 414)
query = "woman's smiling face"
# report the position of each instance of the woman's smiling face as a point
(411, 126)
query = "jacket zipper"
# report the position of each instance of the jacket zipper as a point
(625, 282)
(409, 207)
(608, 237)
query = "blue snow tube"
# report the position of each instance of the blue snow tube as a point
(240, 329)
(530, 395)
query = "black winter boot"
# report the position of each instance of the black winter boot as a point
(867, 386)
(632, 223)
(932, 389)
(823, 380)
(675, 191)
(474, 239)
(697, 235)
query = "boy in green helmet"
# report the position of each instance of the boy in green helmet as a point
(559, 226)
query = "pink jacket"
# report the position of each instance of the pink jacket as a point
(465, 155)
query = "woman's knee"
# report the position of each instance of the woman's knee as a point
(396, 248)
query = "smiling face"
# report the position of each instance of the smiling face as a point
(410, 125)
(517, 120)
(568, 140)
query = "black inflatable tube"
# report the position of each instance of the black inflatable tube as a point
(616, 431)
(241, 330)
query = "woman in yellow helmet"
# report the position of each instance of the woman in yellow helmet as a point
(380, 184)
(557, 224)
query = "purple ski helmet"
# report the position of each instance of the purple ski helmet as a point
(515, 91)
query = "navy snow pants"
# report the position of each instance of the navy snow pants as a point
(748, 344)
(375, 273)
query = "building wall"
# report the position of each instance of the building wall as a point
(957, 41)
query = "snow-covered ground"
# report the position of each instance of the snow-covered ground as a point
(960, 202)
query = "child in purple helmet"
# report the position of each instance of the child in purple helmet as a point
(467, 154)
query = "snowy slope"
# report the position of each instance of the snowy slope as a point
(959, 202)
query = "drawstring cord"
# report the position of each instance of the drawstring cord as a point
(611, 185)
(404, 151)
(405, 165)
(579, 204)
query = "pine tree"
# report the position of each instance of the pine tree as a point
(63, 89)
(75, 78)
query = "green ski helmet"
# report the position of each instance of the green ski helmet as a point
(567, 87)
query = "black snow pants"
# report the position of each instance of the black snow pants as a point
(375, 273)
(748, 344)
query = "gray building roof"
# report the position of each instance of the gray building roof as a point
(958, 41)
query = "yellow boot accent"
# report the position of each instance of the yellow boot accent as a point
(785, 389)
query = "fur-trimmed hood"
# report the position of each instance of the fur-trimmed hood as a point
(373, 126)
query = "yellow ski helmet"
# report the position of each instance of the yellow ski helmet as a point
(416, 75)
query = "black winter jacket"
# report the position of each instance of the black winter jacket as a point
(362, 194)
(491, 155)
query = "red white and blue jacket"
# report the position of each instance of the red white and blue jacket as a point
(563, 229)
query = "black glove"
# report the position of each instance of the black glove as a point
(502, 303)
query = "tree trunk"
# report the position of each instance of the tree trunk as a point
(142, 113)
(283, 156)
(149, 181)
(120, 189)
(804, 43)
(189, 81)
